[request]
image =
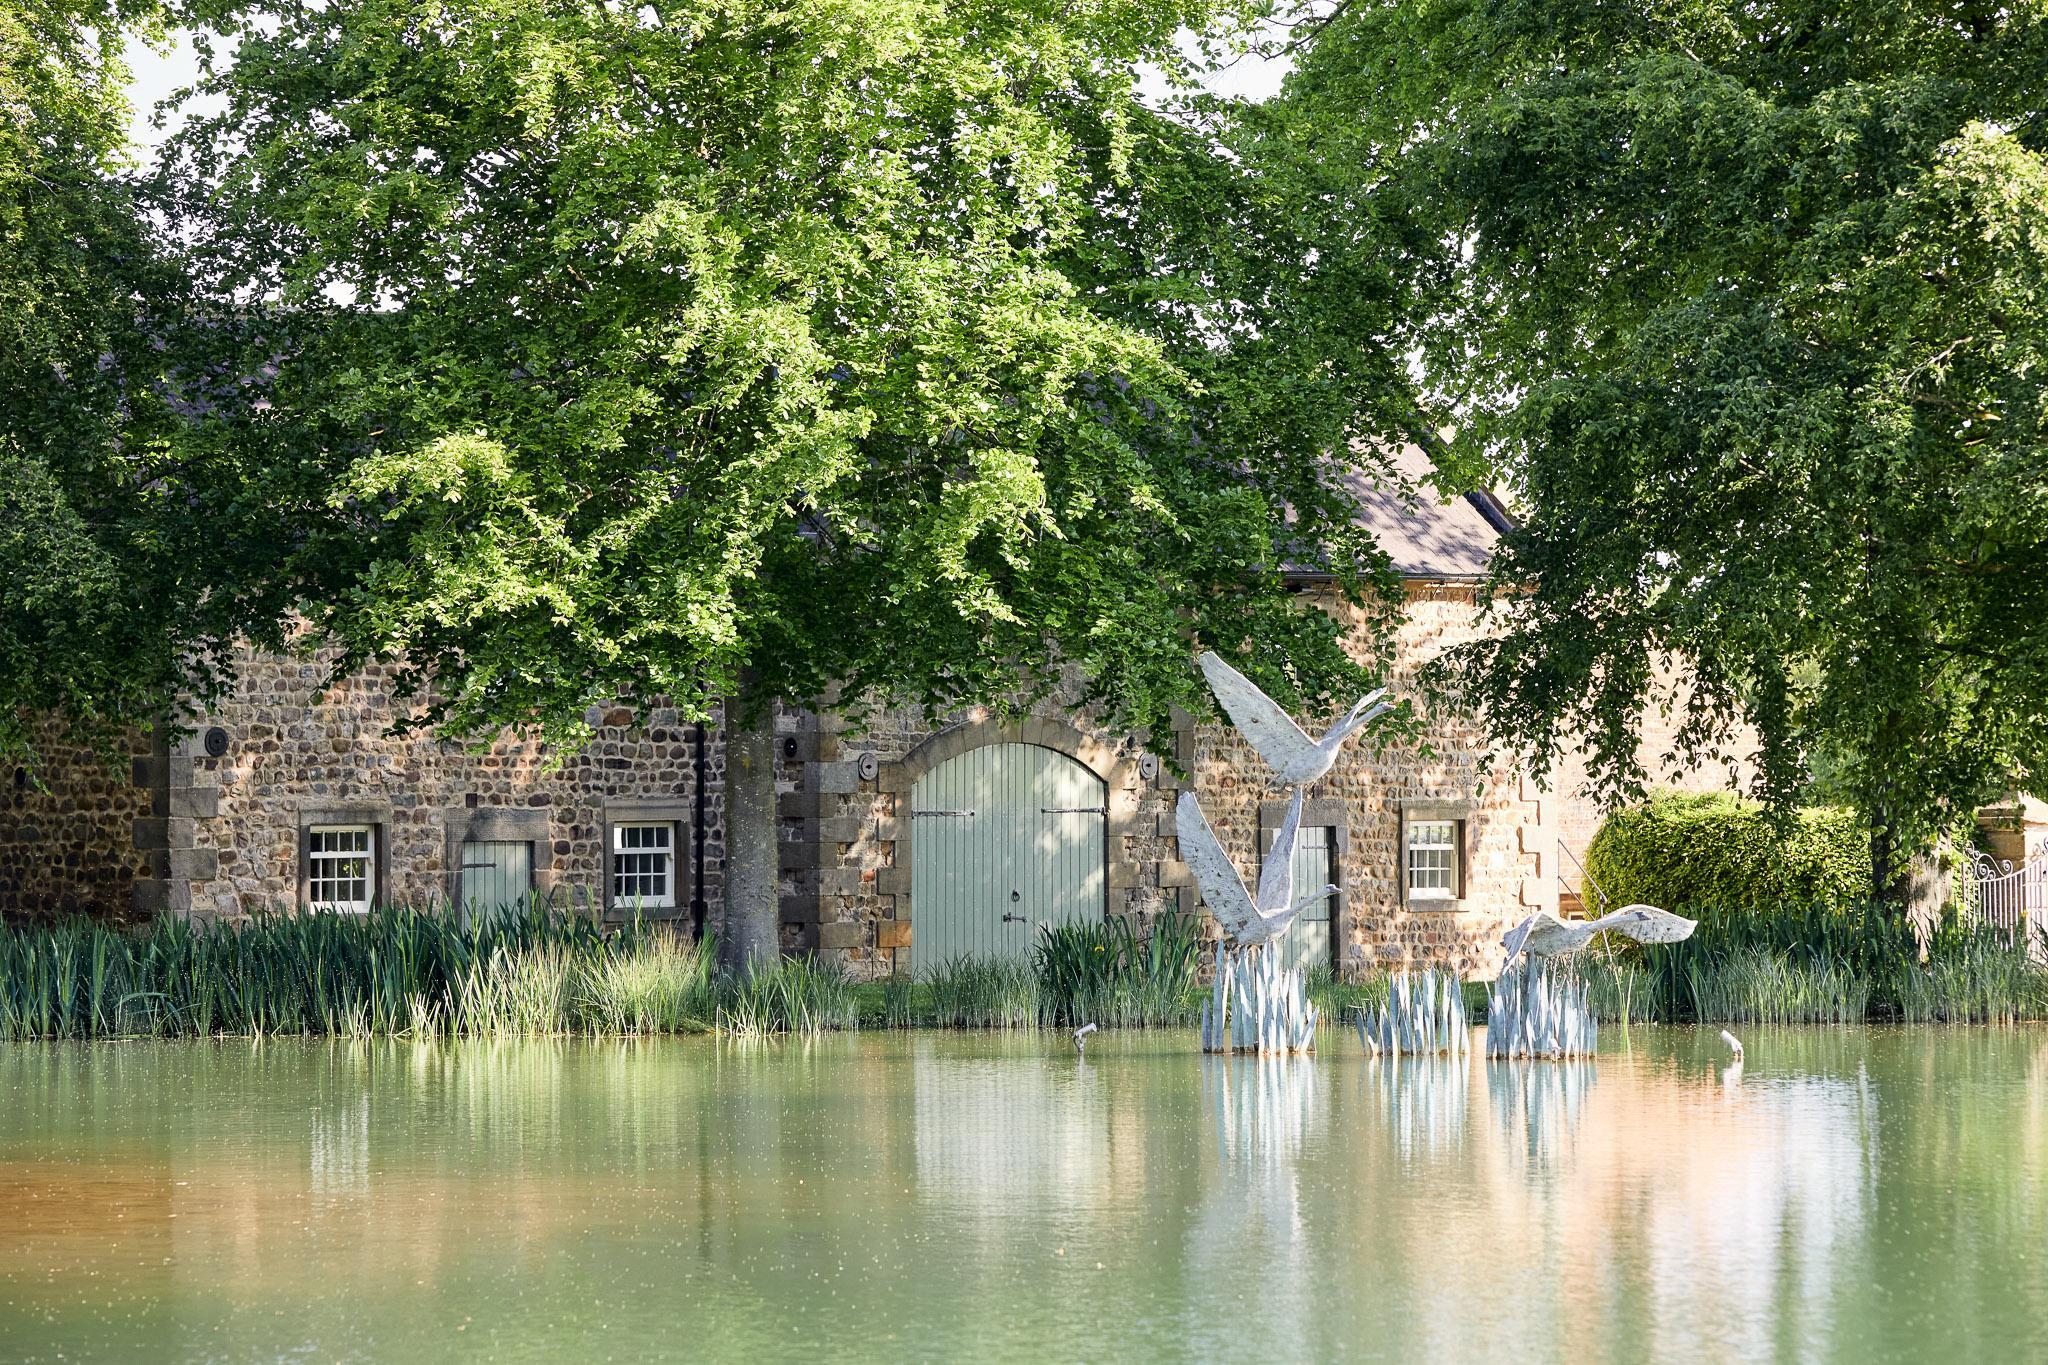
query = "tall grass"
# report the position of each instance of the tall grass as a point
(1832, 966)
(795, 995)
(1104, 972)
(395, 970)
(983, 992)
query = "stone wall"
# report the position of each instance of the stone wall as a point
(1508, 825)
(846, 870)
(75, 828)
(847, 885)
(296, 754)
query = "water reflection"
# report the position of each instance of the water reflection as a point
(1537, 1107)
(1424, 1099)
(1849, 1194)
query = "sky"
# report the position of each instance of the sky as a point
(155, 75)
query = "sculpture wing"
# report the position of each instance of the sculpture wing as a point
(1222, 889)
(1276, 875)
(1257, 716)
(1545, 935)
(1645, 924)
(1368, 709)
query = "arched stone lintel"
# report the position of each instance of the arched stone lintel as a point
(1117, 772)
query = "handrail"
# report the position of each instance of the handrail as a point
(1585, 877)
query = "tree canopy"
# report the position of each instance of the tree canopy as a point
(83, 420)
(1745, 305)
(620, 352)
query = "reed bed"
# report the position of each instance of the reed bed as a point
(1823, 966)
(1108, 974)
(398, 970)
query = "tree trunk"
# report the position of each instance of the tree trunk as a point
(752, 875)
(1890, 869)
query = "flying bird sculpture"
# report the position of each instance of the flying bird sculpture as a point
(1284, 745)
(1545, 935)
(1247, 917)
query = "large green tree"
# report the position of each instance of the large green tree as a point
(92, 586)
(1748, 305)
(799, 352)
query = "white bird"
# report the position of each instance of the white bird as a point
(1081, 1037)
(1545, 935)
(1284, 745)
(1733, 1042)
(1246, 917)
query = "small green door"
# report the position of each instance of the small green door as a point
(1004, 838)
(496, 875)
(1315, 866)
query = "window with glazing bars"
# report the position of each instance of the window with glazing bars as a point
(1432, 859)
(341, 867)
(643, 864)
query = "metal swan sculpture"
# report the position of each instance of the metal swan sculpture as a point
(1545, 935)
(1284, 745)
(1246, 917)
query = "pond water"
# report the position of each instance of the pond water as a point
(1851, 1195)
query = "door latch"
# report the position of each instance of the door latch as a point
(1015, 919)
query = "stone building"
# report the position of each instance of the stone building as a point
(901, 844)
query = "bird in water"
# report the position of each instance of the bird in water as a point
(1081, 1037)
(1734, 1043)
(1284, 745)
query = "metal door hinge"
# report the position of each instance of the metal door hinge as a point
(955, 814)
(1073, 810)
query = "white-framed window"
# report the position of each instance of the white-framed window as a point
(644, 864)
(1432, 860)
(341, 867)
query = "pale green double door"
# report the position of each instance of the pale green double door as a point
(1004, 838)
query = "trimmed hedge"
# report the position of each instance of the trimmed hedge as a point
(1714, 852)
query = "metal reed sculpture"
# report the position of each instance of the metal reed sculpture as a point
(1424, 1015)
(1538, 1008)
(1257, 1003)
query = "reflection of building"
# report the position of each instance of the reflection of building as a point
(996, 1136)
(903, 841)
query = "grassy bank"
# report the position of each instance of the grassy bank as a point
(404, 971)
(397, 970)
(401, 970)
(1819, 966)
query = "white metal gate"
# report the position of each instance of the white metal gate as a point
(496, 874)
(1004, 838)
(1315, 867)
(2014, 899)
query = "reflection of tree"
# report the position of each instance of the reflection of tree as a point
(1859, 1194)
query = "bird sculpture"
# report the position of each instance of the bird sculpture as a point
(1284, 745)
(1246, 917)
(1545, 935)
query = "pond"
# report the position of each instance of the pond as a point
(1851, 1195)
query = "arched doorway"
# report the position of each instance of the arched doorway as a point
(1005, 837)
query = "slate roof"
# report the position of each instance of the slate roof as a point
(1425, 537)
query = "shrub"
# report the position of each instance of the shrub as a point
(1712, 853)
